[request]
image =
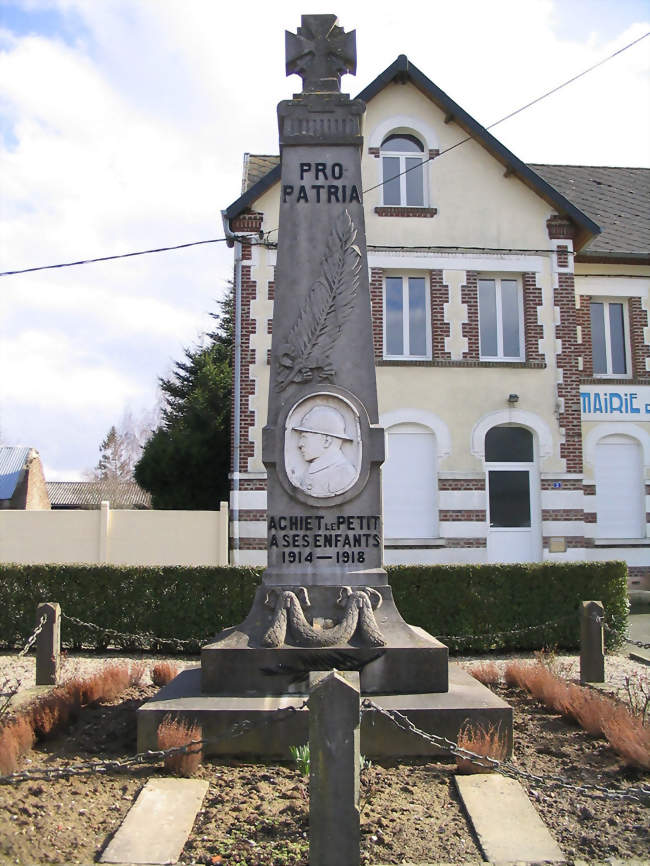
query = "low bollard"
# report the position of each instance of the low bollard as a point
(592, 642)
(334, 835)
(48, 644)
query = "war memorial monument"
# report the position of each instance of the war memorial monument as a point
(324, 602)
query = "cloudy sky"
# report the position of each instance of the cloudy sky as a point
(122, 127)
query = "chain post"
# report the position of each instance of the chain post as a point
(48, 644)
(592, 642)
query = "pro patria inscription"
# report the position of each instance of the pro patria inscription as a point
(320, 183)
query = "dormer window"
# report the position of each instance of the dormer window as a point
(402, 158)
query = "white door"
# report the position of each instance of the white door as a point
(409, 482)
(514, 530)
(619, 488)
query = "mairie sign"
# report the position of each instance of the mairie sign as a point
(620, 403)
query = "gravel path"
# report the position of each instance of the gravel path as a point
(618, 665)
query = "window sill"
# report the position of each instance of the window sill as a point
(611, 380)
(621, 542)
(414, 542)
(399, 211)
(464, 362)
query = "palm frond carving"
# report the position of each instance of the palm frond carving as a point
(327, 306)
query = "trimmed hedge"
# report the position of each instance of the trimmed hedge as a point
(472, 602)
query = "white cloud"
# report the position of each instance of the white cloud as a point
(129, 133)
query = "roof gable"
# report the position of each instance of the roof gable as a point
(13, 461)
(401, 71)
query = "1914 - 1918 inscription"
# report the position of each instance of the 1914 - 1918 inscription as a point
(341, 539)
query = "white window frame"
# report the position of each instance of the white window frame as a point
(404, 276)
(403, 156)
(498, 279)
(606, 301)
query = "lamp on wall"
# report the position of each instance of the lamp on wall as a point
(513, 398)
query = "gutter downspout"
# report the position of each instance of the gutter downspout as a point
(233, 241)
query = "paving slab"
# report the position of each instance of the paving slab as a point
(156, 827)
(506, 824)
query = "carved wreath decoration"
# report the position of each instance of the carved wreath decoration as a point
(327, 306)
(357, 616)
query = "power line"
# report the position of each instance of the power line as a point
(513, 113)
(110, 258)
(369, 189)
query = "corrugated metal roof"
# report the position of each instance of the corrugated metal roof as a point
(617, 198)
(12, 465)
(89, 494)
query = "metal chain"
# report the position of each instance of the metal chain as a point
(512, 631)
(32, 639)
(238, 729)
(638, 795)
(626, 636)
(145, 637)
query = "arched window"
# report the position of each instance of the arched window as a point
(402, 157)
(409, 482)
(620, 506)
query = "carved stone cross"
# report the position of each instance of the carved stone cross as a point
(320, 53)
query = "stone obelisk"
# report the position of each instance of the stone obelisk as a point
(322, 447)
(325, 599)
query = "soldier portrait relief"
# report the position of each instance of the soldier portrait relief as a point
(323, 447)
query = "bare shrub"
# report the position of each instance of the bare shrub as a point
(589, 709)
(637, 690)
(114, 679)
(23, 733)
(483, 741)
(8, 750)
(513, 674)
(49, 712)
(628, 737)
(173, 733)
(136, 673)
(486, 673)
(163, 673)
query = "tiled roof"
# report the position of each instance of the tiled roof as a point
(618, 199)
(89, 494)
(255, 167)
(12, 464)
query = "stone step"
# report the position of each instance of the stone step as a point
(156, 827)
(506, 824)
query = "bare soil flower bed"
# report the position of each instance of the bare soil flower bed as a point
(256, 814)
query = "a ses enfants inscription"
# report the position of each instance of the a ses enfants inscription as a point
(343, 539)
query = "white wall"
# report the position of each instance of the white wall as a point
(115, 537)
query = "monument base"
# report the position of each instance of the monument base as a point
(441, 713)
(392, 657)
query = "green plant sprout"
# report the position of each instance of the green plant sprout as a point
(301, 756)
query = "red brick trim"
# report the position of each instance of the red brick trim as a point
(248, 543)
(252, 484)
(469, 297)
(572, 541)
(433, 153)
(583, 319)
(640, 350)
(439, 296)
(567, 361)
(269, 326)
(271, 290)
(456, 515)
(248, 514)
(533, 331)
(562, 256)
(560, 228)
(589, 490)
(377, 310)
(461, 483)
(446, 362)
(247, 222)
(247, 383)
(638, 575)
(562, 514)
(591, 517)
(567, 484)
(394, 211)
(466, 542)
(374, 151)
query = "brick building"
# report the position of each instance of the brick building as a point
(510, 316)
